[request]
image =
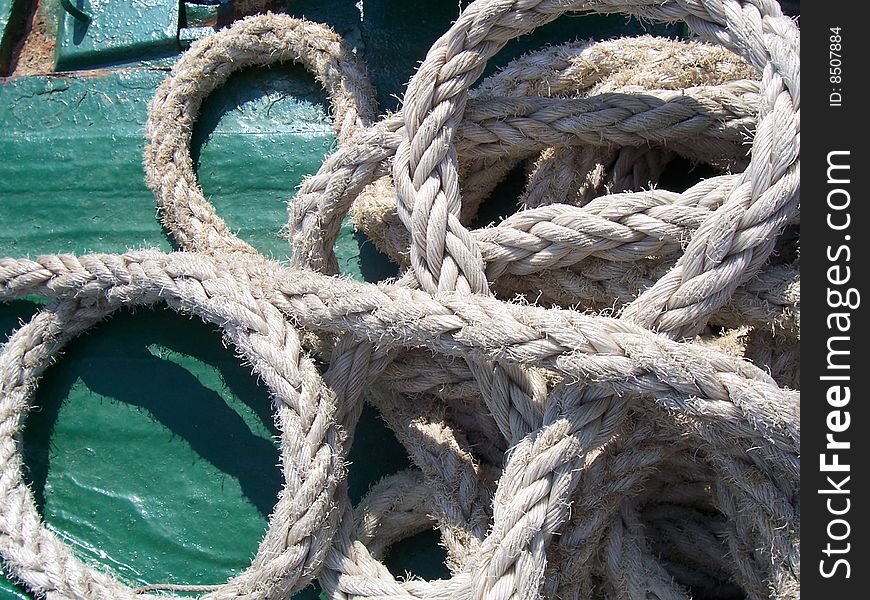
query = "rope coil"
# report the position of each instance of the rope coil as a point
(558, 453)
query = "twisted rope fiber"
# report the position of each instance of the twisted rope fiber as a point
(592, 70)
(348, 170)
(417, 267)
(592, 411)
(184, 281)
(302, 253)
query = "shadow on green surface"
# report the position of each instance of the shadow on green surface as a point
(117, 361)
(172, 395)
(373, 265)
(14, 314)
(248, 91)
(256, 138)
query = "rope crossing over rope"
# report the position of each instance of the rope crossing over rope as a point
(560, 452)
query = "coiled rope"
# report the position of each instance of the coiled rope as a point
(559, 452)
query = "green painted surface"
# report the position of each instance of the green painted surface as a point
(156, 402)
(195, 13)
(10, 591)
(13, 15)
(5, 14)
(73, 182)
(6, 33)
(72, 179)
(149, 432)
(118, 31)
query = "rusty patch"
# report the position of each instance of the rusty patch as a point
(34, 55)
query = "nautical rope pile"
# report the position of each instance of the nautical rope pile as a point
(597, 392)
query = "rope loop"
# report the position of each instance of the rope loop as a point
(610, 445)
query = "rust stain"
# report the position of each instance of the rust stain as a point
(35, 54)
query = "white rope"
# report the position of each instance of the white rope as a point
(555, 449)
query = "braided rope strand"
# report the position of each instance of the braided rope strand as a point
(552, 447)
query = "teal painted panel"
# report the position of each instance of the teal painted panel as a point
(147, 434)
(117, 32)
(13, 16)
(199, 15)
(10, 591)
(249, 154)
(5, 14)
(74, 145)
(74, 183)
(72, 179)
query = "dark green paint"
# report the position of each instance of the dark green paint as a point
(10, 591)
(78, 12)
(253, 143)
(155, 401)
(198, 14)
(72, 181)
(13, 17)
(117, 32)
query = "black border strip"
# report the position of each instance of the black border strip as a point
(834, 37)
